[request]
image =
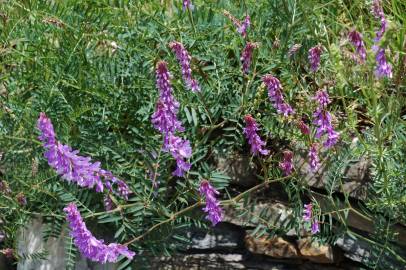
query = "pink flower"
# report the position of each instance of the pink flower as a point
(286, 165)
(356, 40)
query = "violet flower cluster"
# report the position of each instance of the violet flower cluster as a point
(322, 120)
(308, 217)
(314, 57)
(213, 209)
(275, 95)
(254, 140)
(165, 121)
(88, 245)
(314, 158)
(356, 40)
(184, 60)
(287, 165)
(304, 128)
(246, 56)
(187, 4)
(73, 167)
(382, 68)
(243, 26)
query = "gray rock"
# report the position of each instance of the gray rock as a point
(239, 169)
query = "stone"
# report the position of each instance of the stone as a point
(276, 247)
(239, 168)
(223, 237)
(317, 252)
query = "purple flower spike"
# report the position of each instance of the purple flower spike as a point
(275, 95)
(184, 60)
(244, 26)
(315, 226)
(73, 167)
(307, 212)
(108, 203)
(322, 98)
(254, 140)
(383, 68)
(180, 149)
(286, 165)
(304, 128)
(89, 246)
(187, 4)
(213, 209)
(314, 158)
(356, 40)
(314, 57)
(377, 11)
(246, 56)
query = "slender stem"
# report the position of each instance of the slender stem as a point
(191, 19)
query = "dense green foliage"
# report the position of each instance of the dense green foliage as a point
(60, 57)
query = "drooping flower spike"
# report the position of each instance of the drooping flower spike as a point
(250, 131)
(287, 164)
(242, 27)
(314, 57)
(92, 248)
(180, 150)
(246, 56)
(383, 68)
(314, 158)
(73, 167)
(308, 217)
(275, 95)
(356, 40)
(184, 60)
(212, 208)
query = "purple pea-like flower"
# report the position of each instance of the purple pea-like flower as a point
(275, 95)
(187, 4)
(307, 212)
(108, 203)
(322, 98)
(356, 40)
(244, 26)
(314, 57)
(89, 246)
(315, 226)
(286, 165)
(213, 209)
(377, 11)
(246, 56)
(184, 60)
(180, 150)
(314, 158)
(73, 167)
(383, 68)
(304, 128)
(254, 140)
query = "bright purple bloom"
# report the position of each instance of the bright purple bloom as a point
(307, 212)
(74, 168)
(383, 68)
(246, 56)
(187, 4)
(286, 165)
(314, 57)
(89, 246)
(184, 60)
(315, 226)
(322, 98)
(164, 118)
(179, 149)
(275, 95)
(254, 140)
(356, 40)
(242, 29)
(377, 11)
(213, 209)
(314, 158)
(304, 128)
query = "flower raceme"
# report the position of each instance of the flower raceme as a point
(243, 26)
(356, 40)
(314, 57)
(184, 60)
(314, 158)
(213, 209)
(286, 165)
(73, 167)
(246, 56)
(89, 246)
(275, 95)
(309, 218)
(179, 149)
(383, 68)
(254, 140)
